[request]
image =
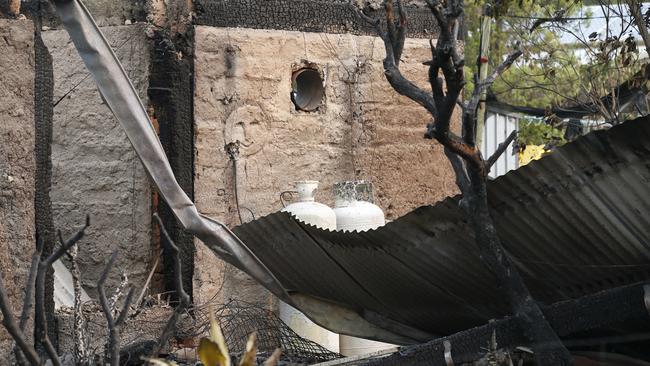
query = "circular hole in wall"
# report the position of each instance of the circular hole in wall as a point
(308, 90)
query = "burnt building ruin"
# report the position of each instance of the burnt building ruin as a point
(300, 82)
(246, 97)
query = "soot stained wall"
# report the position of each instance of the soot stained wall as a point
(95, 170)
(17, 162)
(170, 94)
(105, 12)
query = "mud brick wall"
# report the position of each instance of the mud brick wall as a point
(364, 130)
(95, 169)
(105, 12)
(17, 161)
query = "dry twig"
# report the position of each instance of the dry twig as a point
(28, 300)
(43, 267)
(114, 325)
(183, 297)
(9, 323)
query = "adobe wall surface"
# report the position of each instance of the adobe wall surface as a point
(95, 170)
(116, 12)
(17, 164)
(105, 12)
(364, 130)
(145, 326)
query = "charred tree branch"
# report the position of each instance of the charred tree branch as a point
(184, 298)
(43, 267)
(28, 300)
(476, 95)
(9, 323)
(500, 150)
(113, 347)
(406, 88)
(396, 29)
(393, 51)
(462, 180)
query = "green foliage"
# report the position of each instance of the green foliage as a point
(533, 132)
(509, 30)
(550, 73)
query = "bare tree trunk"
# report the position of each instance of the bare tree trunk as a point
(469, 165)
(548, 349)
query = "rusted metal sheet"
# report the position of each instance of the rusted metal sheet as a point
(575, 222)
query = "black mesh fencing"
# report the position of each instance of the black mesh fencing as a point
(240, 319)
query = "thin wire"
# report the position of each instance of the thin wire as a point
(583, 265)
(284, 204)
(553, 19)
(332, 50)
(87, 75)
(236, 191)
(249, 211)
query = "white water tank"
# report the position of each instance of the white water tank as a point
(355, 212)
(308, 210)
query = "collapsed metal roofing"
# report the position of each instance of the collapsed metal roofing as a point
(574, 222)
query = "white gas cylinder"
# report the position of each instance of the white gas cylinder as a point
(306, 209)
(355, 212)
(354, 209)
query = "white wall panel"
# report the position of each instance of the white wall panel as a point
(498, 127)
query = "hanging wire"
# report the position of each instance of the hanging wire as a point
(532, 17)
(282, 194)
(232, 149)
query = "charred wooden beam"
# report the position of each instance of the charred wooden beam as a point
(171, 90)
(591, 312)
(333, 16)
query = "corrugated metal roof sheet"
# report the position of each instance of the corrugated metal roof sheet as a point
(575, 222)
